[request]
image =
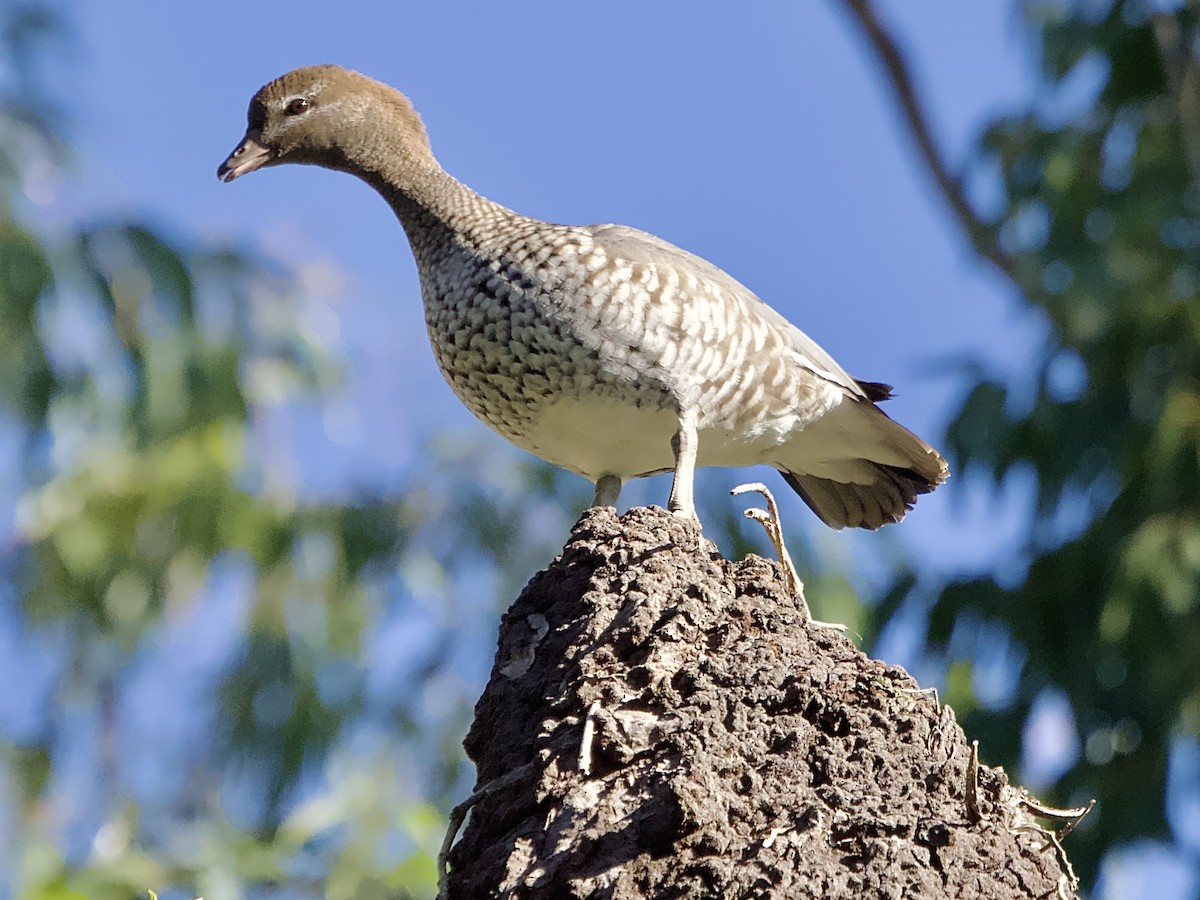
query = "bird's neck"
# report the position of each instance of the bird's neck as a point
(431, 204)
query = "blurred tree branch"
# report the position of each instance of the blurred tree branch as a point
(1183, 76)
(1098, 178)
(981, 235)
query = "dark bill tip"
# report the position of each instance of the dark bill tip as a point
(248, 156)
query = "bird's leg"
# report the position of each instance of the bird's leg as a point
(683, 445)
(608, 489)
(769, 520)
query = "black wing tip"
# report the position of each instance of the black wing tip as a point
(876, 391)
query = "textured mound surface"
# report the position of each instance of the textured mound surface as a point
(734, 752)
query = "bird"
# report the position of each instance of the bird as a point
(601, 349)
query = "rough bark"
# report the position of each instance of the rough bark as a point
(734, 751)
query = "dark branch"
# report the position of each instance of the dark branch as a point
(980, 234)
(1183, 75)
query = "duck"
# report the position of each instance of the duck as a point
(601, 349)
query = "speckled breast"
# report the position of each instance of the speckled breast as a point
(514, 339)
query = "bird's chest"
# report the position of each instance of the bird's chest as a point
(517, 351)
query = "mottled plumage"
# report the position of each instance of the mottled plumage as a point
(599, 348)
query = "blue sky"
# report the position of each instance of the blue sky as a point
(762, 140)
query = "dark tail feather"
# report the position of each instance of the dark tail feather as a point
(876, 391)
(849, 505)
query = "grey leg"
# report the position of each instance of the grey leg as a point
(683, 444)
(608, 489)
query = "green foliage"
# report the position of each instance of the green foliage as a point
(26, 381)
(136, 363)
(135, 366)
(1102, 229)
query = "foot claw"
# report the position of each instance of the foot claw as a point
(769, 520)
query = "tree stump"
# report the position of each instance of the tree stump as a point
(660, 723)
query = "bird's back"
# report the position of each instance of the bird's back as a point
(524, 313)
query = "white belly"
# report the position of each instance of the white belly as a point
(595, 438)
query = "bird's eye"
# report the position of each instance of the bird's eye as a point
(297, 106)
